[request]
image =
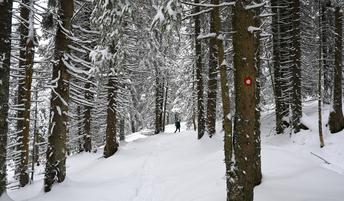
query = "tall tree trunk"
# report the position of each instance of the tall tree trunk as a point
(227, 119)
(321, 62)
(5, 55)
(55, 170)
(121, 130)
(132, 123)
(35, 147)
(245, 44)
(87, 118)
(296, 100)
(133, 112)
(277, 66)
(158, 100)
(79, 125)
(165, 107)
(194, 113)
(257, 140)
(326, 15)
(212, 80)
(336, 119)
(199, 77)
(111, 145)
(24, 88)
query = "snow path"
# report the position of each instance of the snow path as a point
(178, 167)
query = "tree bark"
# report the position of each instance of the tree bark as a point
(257, 139)
(121, 130)
(297, 99)
(277, 66)
(227, 119)
(24, 88)
(321, 60)
(79, 125)
(165, 107)
(326, 15)
(111, 145)
(35, 147)
(5, 55)
(87, 118)
(336, 119)
(199, 77)
(245, 44)
(55, 170)
(158, 100)
(212, 79)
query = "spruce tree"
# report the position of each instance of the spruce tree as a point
(199, 72)
(111, 144)
(245, 45)
(24, 89)
(5, 62)
(336, 119)
(55, 170)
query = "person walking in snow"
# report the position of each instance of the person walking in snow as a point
(177, 124)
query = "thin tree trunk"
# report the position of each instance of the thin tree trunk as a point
(194, 114)
(336, 119)
(257, 140)
(158, 100)
(296, 101)
(245, 44)
(212, 80)
(277, 67)
(132, 113)
(35, 149)
(111, 145)
(227, 119)
(121, 130)
(327, 49)
(55, 170)
(165, 106)
(321, 60)
(24, 89)
(87, 119)
(199, 77)
(5, 55)
(80, 134)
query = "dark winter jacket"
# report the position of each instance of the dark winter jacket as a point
(177, 124)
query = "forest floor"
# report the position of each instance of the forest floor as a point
(178, 167)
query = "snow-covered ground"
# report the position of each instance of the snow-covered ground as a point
(178, 167)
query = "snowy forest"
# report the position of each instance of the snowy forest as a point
(171, 100)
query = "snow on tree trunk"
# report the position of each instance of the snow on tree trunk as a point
(245, 46)
(296, 93)
(159, 99)
(227, 120)
(24, 88)
(327, 48)
(5, 55)
(336, 119)
(212, 80)
(87, 119)
(199, 77)
(121, 130)
(111, 145)
(321, 63)
(280, 26)
(55, 170)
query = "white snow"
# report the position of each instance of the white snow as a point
(252, 29)
(178, 167)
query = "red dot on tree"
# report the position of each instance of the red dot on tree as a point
(248, 81)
